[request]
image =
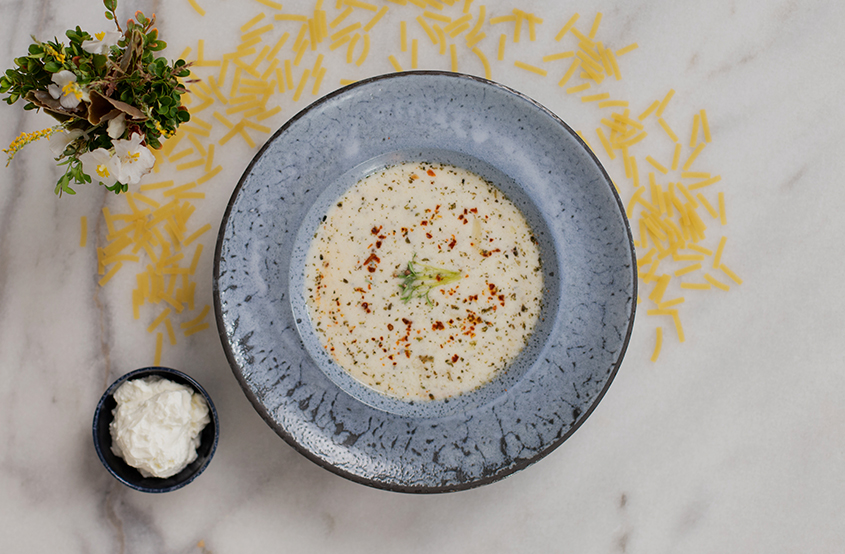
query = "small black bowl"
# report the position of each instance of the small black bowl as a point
(127, 474)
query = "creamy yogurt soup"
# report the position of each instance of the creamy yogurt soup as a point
(423, 281)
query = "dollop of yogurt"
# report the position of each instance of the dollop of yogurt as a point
(156, 425)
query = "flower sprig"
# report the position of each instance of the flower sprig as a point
(113, 96)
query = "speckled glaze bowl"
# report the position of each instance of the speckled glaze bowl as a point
(588, 262)
(127, 474)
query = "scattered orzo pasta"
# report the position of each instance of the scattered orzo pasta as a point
(671, 202)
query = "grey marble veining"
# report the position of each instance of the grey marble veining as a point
(732, 442)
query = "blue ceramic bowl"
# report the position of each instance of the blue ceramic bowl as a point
(478, 437)
(130, 476)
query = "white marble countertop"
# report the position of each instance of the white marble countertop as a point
(733, 441)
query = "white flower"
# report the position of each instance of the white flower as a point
(132, 160)
(100, 165)
(117, 126)
(59, 141)
(103, 43)
(67, 90)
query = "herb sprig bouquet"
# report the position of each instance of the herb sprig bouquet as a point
(113, 97)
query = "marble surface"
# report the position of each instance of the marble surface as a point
(732, 442)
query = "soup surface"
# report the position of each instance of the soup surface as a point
(423, 281)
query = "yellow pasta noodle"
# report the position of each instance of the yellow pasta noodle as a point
(197, 320)
(251, 23)
(157, 321)
(707, 206)
(437, 16)
(345, 31)
(595, 97)
(558, 56)
(197, 7)
(375, 19)
(196, 329)
(594, 29)
(362, 5)
(350, 50)
(111, 273)
(713, 281)
(613, 104)
(605, 143)
(565, 29)
(427, 28)
(531, 68)
(569, 72)
(668, 129)
(717, 257)
(441, 38)
(170, 334)
(658, 343)
(341, 17)
(364, 52)
(665, 102)
(654, 105)
(403, 36)
(696, 286)
(199, 232)
(157, 356)
(657, 165)
(474, 39)
(678, 328)
(270, 4)
(688, 269)
(696, 121)
(484, 62)
(727, 271)
(578, 88)
(705, 126)
(693, 156)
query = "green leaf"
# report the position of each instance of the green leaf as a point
(110, 5)
(52, 67)
(99, 61)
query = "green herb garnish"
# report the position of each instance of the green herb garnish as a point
(418, 280)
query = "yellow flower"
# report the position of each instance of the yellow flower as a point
(26, 138)
(58, 55)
